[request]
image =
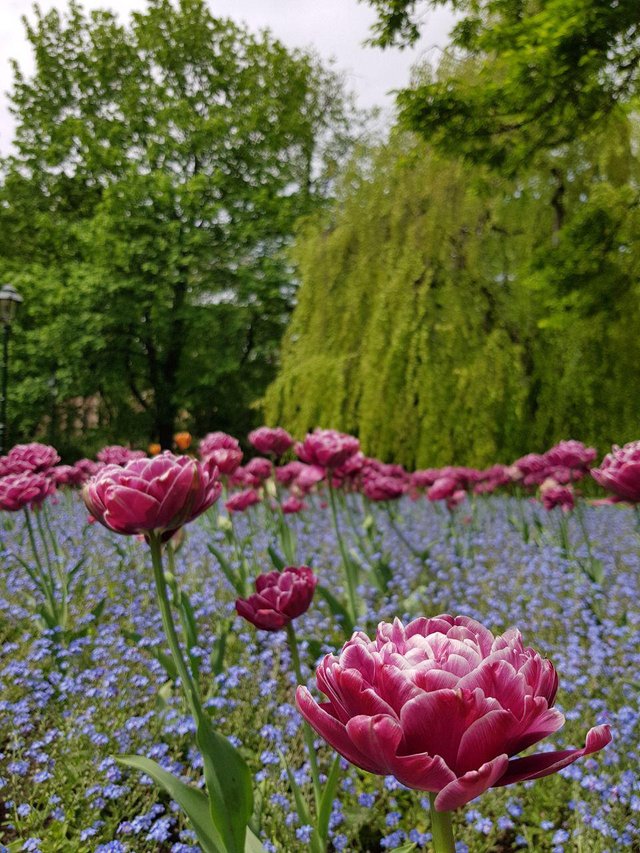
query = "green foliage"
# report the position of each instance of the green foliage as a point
(538, 73)
(447, 314)
(158, 171)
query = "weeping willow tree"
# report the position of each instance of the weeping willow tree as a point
(449, 314)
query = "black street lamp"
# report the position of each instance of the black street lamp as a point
(10, 299)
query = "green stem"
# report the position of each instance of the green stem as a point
(306, 728)
(441, 829)
(46, 577)
(583, 527)
(188, 686)
(47, 521)
(351, 586)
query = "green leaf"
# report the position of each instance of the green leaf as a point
(337, 609)
(227, 571)
(229, 785)
(276, 559)
(192, 801)
(326, 802)
(405, 848)
(253, 843)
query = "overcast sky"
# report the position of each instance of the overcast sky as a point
(336, 28)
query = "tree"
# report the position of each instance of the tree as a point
(163, 166)
(450, 314)
(537, 74)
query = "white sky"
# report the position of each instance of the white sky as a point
(336, 28)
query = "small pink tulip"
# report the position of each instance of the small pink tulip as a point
(35, 457)
(553, 494)
(157, 495)
(242, 500)
(382, 488)
(309, 476)
(271, 441)
(573, 455)
(279, 598)
(443, 488)
(327, 448)
(259, 467)
(116, 454)
(222, 450)
(27, 489)
(442, 705)
(286, 474)
(292, 505)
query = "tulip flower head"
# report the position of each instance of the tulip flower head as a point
(271, 441)
(116, 454)
(553, 494)
(381, 488)
(259, 467)
(156, 495)
(279, 598)
(443, 705)
(327, 448)
(182, 440)
(619, 472)
(35, 457)
(242, 500)
(222, 450)
(21, 490)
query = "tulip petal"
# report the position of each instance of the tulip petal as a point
(545, 763)
(435, 722)
(471, 785)
(483, 740)
(333, 731)
(422, 772)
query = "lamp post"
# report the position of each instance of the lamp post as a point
(10, 299)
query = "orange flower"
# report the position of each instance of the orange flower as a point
(182, 440)
(154, 449)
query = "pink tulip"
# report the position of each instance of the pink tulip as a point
(286, 474)
(442, 705)
(571, 454)
(66, 475)
(619, 472)
(156, 495)
(383, 488)
(271, 441)
(443, 488)
(424, 478)
(27, 489)
(309, 476)
(553, 494)
(327, 448)
(221, 450)
(351, 467)
(279, 598)
(532, 469)
(259, 467)
(30, 457)
(116, 454)
(292, 505)
(242, 500)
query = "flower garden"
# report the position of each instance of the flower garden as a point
(187, 640)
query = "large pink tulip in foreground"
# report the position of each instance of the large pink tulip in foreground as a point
(442, 705)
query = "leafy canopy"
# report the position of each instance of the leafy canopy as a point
(538, 72)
